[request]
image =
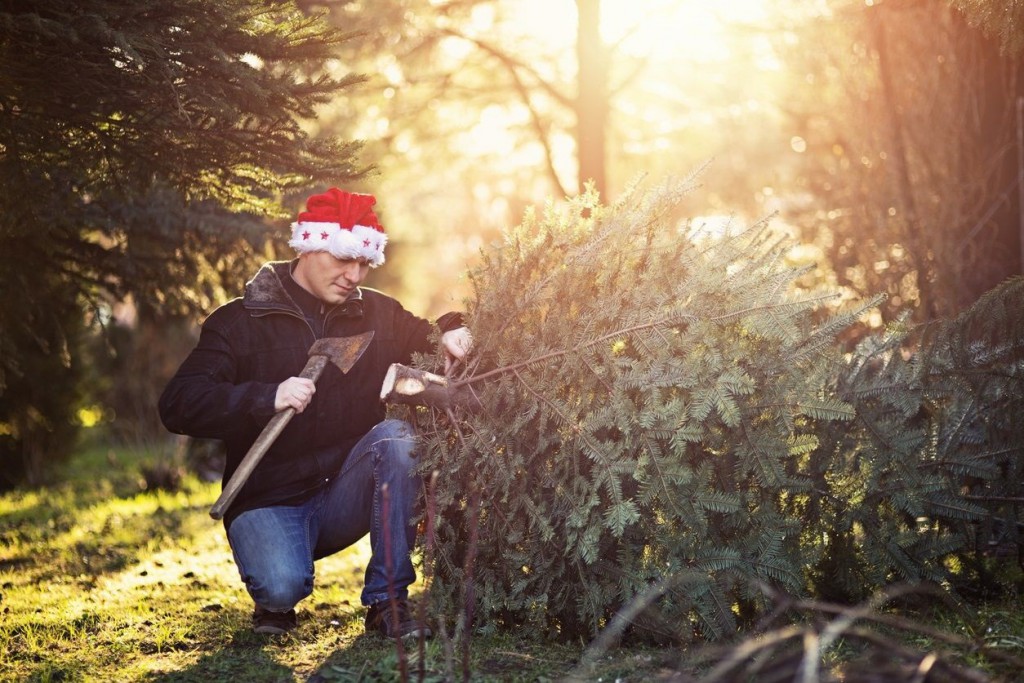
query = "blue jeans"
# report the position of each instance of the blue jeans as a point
(274, 547)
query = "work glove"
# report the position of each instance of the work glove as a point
(457, 344)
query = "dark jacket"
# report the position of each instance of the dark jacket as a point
(225, 389)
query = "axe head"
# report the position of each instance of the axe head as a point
(342, 351)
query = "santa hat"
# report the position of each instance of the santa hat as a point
(342, 223)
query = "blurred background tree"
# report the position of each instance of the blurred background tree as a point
(906, 124)
(142, 147)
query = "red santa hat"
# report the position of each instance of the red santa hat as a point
(342, 223)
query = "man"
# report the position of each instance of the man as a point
(322, 484)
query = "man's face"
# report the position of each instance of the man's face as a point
(329, 279)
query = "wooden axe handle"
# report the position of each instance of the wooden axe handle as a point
(314, 367)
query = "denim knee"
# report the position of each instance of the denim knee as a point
(282, 592)
(395, 443)
(393, 428)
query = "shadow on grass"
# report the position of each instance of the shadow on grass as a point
(117, 539)
(89, 532)
(369, 658)
(503, 657)
(243, 659)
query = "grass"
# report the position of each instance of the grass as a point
(103, 580)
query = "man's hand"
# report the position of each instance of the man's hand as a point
(457, 344)
(294, 392)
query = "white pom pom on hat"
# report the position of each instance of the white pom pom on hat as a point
(342, 223)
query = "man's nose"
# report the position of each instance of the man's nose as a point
(351, 271)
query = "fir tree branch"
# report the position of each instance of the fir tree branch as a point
(996, 499)
(766, 461)
(564, 352)
(600, 379)
(595, 449)
(656, 324)
(771, 307)
(669, 498)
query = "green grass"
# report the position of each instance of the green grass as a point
(102, 580)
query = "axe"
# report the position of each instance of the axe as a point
(343, 352)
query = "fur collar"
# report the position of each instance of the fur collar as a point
(266, 290)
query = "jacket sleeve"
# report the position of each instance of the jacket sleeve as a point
(205, 398)
(416, 335)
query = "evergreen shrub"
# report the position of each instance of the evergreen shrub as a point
(926, 482)
(668, 414)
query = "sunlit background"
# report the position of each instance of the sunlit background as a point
(864, 128)
(472, 129)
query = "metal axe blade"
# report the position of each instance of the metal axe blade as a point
(342, 351)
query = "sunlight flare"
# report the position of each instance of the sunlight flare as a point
(690, 30)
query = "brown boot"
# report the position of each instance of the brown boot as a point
(394, 621)
(273, 623)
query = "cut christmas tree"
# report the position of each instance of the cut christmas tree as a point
(648, 410)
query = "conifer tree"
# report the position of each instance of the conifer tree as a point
(659, 412)
(926, 482)
(648, 400)
(143, 145)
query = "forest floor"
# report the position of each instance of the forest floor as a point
(103, 580)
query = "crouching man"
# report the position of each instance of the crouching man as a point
(320, 487)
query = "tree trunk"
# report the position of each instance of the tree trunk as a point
(592, 97)
(992, 82)
(918, 243)
(408, 386)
